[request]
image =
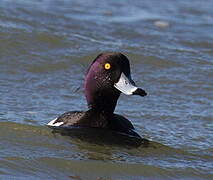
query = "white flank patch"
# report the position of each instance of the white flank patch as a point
(52, 123)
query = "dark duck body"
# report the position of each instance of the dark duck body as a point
(108, 76)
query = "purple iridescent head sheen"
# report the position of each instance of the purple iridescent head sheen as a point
(103, 86)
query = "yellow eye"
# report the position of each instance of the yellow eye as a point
(107, 66)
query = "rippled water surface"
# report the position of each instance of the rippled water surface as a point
(45, 49)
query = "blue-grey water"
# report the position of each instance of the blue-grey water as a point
(45, 49)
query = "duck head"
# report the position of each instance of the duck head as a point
(107, 77)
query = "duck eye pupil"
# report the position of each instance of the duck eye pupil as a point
(107, 66)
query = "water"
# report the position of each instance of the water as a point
(45, 49)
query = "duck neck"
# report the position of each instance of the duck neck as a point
(104, 103)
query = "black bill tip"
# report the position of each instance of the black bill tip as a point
(139, 92)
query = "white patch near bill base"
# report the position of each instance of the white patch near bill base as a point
(52, 123)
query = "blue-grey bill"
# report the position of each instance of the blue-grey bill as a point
(127, 86)
(124, 85)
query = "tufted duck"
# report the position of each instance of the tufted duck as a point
(108, 76)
